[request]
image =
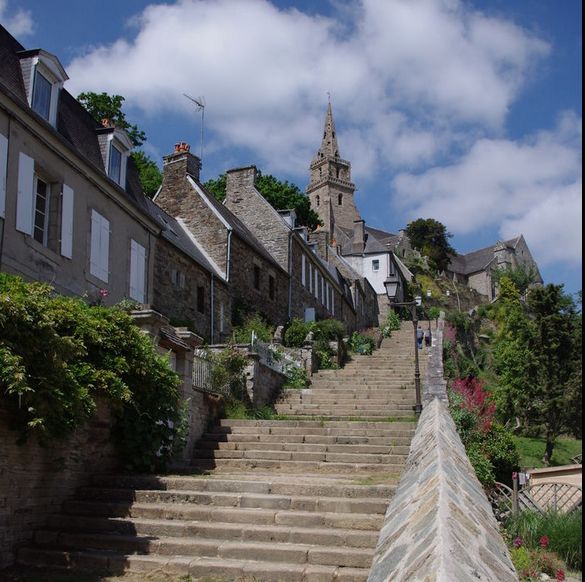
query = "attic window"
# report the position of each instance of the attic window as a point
(115, 165)
(41, 97)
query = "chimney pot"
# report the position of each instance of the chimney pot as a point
(182, 146)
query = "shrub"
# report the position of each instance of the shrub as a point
(296, 332)
(392, 324)
(228, 372)
(562, 530)
(328, 330)
(58, 354)
(296, 377)
(242, 334)
(361, 344)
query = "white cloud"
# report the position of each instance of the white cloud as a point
(265, 72)
(531, 187)
(19, 23)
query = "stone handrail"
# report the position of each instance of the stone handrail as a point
(439, 525)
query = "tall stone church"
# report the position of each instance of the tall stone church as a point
(361, 251)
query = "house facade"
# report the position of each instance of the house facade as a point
(68, 194)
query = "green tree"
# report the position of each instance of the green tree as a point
(430, 237)
(523, 276)
(104, 106)
(148, 172)
(281, 195)
(537, 357)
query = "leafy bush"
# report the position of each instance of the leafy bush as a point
(227, 372)
(296, 377)
(392, 324)
(490, 447)
(242, 334)
(328, 330)
(58, 354)
(322, 350)
(361, 344)
(531, 563)
(562, 532)
(296, 332)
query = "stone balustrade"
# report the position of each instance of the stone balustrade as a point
(439, 525)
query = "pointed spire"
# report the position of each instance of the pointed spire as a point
(329, 144)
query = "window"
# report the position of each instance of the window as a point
(221, 317)
(41, 211)
(316, 289)
(41, 96)
(339, 199)
(271, 287)
(375, 265)
(178, 278)
(200, 299)
(67, 200)
(99, 246)
(256, 277)
(137, 271)
(115, 164)
(303, 270)
(318, 199)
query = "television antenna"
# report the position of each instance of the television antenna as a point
(200, 106)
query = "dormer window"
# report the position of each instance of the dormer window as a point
(115, 165)
(41, 97)
(115, 146)
(44, 77)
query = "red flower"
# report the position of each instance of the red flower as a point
(544, 541)
(517, 542)
(560, 576)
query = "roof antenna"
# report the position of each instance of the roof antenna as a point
(200, 106)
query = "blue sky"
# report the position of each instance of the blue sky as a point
(465, 111)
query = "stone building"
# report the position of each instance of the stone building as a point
(370, 254)
(72, 212)
(475, 269)
(316, 288)
(256, 281)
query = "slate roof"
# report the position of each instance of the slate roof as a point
(173, 232)
(377, 240)
(477, 260)
(76, 128)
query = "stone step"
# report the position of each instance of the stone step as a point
(349, 397)
(350, 415)
(207, 530)
(203, 464)
(324, 426)
(255, 484)
(309, 439)
(196, 567)
(346, 408)
(296, 553)
(214, 445)
(379, 429)
(219, 514)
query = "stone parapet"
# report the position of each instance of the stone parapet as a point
(439, 525)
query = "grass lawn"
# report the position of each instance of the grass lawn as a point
(532, 449)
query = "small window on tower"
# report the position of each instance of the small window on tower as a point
(339, 199)
(318, 199)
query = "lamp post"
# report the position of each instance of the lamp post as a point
(391, 289)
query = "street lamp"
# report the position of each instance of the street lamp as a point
(391, 290)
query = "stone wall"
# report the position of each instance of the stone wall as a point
(35, 480)
(439, 525)
(263, 384)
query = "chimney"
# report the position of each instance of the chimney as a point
(320, 238)
(180, 163)
(240, 183)
(359, 237)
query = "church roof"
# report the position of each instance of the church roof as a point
(329, 147)
(477, 260)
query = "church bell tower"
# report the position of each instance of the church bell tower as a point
(330, 187)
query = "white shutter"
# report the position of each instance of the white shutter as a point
(3, 172)
(25, 194)
(104, 249)
(333, 303)
(99, 246)
(303, 274)
(67, 221)
(137, 271)
(316, 284)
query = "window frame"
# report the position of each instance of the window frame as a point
(44, 230)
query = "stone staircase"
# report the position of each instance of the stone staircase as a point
(270, 500)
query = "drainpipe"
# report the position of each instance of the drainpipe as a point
(290, 278)
(228, 253)
(212, 314)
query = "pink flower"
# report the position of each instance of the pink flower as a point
(544, 541)
(517, 542)
(104, 292)
(560, 576)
